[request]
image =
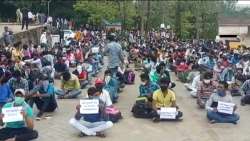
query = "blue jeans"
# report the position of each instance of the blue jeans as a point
(222, 118)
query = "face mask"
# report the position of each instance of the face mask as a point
(221, 93)
(207, 81)
(144, 83)
(93, 97)
(19, 100)
(164, 88)
(107, 79)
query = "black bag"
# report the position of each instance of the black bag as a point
(142, 110)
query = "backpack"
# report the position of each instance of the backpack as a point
(142, 110)
(129, 77)
(113, 114)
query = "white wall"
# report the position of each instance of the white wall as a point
(233, 30)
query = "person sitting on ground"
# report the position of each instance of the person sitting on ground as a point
(193, 86)
(6, 94)
(82, 76)
(91, 124)
(43, 96)
(111, 85)
(206, 88)
(20, 130)
(245, 90)
(70, 86)
(60, 67)
(164, 98)
(147, 87)
(102, 92)
(18, 82)
(221, 95)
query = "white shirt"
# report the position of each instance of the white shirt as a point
(43, 38)
(30, 15)
(105, 97)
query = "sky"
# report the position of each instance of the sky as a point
(244, 2)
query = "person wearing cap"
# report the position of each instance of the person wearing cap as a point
(70, 86)
(18, 82)
(91, 124)
(102, 92)
(43, 96)
(6, 94)
(19, 130)
(164, 98)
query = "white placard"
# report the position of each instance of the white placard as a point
(225, 107)
(168, 113)
(95, 50)
(89, 106)
(12, 114)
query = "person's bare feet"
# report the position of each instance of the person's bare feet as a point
(100, 134)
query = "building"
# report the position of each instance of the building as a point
(233, 28)
(112, 26)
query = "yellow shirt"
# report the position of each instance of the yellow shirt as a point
(72, 84)
(162, 101)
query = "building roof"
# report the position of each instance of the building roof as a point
(233, 21)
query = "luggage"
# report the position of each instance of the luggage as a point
(142, 110)
(113, 114)
(129, 77)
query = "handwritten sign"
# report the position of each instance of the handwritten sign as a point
(225, 107)
(12, 114)
(89, 106)
(168, 113)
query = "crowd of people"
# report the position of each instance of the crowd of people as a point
(210, 70)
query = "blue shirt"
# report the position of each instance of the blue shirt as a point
(115, 55)
(148, 89)
(5, 93)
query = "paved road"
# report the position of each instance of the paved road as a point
(194, 127)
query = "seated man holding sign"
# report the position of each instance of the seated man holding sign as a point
(220, 107)
(17, 117)
(164, 103)
(90, 116)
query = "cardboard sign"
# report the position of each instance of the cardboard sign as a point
(168, 113)
(12, 114)
(225, 107)
(95, 50)
(89, 106)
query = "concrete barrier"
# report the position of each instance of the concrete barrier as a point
(24, 36)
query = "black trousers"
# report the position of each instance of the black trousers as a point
(21, 134)
(25, 22)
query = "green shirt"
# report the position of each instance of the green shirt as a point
(19, 124)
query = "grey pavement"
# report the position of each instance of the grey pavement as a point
(194, 126)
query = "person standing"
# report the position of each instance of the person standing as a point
(25, 20)
(115, 56)
(18, 16)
